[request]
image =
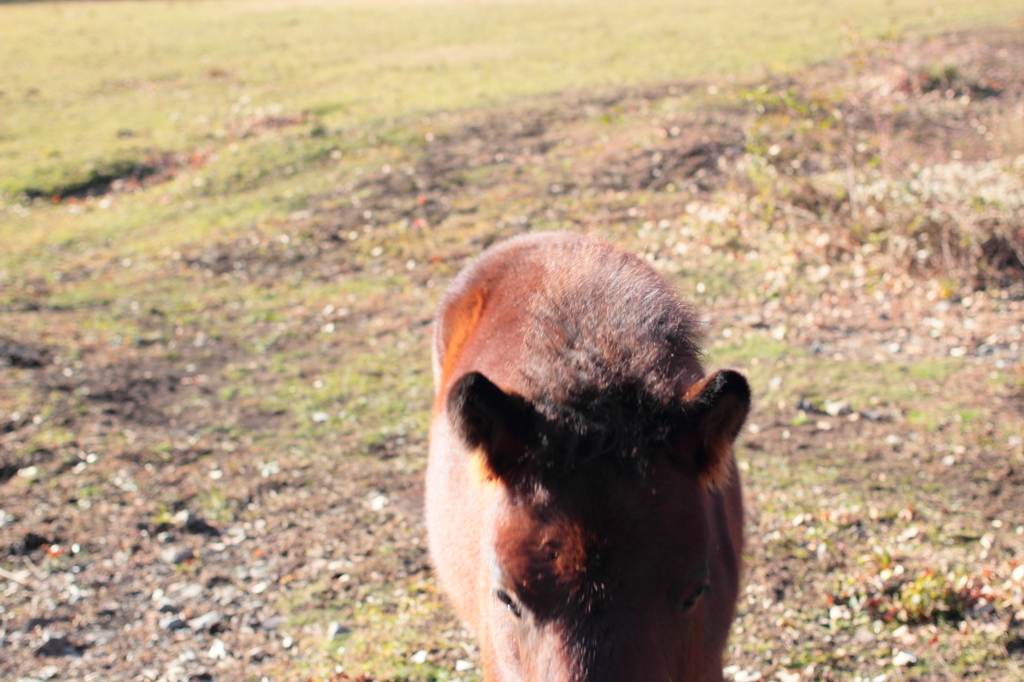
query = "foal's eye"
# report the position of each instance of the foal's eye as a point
(507, 600)
(691, 599)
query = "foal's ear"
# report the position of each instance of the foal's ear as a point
(713, 414)
(492, 421)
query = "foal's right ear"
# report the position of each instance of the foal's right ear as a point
(713, 414)
(492, 421)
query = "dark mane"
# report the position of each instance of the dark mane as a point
(623, 428)
(579, 343)
(606, 368)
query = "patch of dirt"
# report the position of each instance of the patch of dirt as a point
(257, 124)
(16, 355)
(122, 176)
(679, 162)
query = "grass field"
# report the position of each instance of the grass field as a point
(89, 85)
(224, 227)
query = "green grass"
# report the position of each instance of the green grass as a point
(176, 76)
(114, 83)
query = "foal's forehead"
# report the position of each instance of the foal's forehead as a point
(657, 512)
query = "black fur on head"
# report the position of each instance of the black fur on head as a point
(623, 426)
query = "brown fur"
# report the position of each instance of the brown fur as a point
(575, 341)
(581, 488)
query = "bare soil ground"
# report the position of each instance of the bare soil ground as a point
(211, 460)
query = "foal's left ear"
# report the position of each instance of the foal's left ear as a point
(713, 414)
